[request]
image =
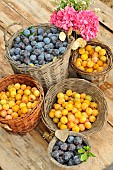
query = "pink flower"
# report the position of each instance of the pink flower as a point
(85, 21)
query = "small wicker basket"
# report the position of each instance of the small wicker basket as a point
(29, 120)
(80, 86)
(47, 74)
(82, 166)
(96, 77)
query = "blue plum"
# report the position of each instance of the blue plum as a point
(60, 160)
(67, 156)
(33, 43)
(48, 31)
(40, 38)
(40, 31)
(17, 39)
(16, 45)
(17, 51)
(65, 44)
(55, 147)
(58, 44)
(54, 39)
(26, 41)
(33, 58)
(31, 38)
(46, 40)
(29, 48)
(70, 139)
(64, 146)
(25, 53)
(41, 57)
(53, 30)
(27, 60)
(32, 30)
(70, 162)
(45, 34)
(62, 50)
(39, 45)
(76, 160)
(50, 35)
(71, 147)
(78, 140)
(26, 32)
(11, 51)
(47, 57)
(16, 57)
(51, 46)
(22, 45)
(36, 52)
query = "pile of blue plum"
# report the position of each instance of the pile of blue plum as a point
(37, 46)
(66, 153)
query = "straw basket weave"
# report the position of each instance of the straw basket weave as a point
(47, 74)
(80, 86)
(29, 120)
(97, 77)
(82, 166)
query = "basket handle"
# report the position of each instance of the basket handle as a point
(7, 28)
(5, 126)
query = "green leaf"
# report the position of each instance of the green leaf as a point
(72, 1)
(20, 33)
(30, 27)
(84, 157)
(91, 154)
(34, 33)
(81, 151)
(87, 148)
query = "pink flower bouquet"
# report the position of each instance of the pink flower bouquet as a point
(84, 21)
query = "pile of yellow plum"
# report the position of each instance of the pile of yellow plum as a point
(91, 59)
(74, 111)
(18, 100)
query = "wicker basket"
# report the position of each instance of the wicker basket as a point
(82, 166)
(97, 77)
(47, 74)
(29, 120)
(80, 86)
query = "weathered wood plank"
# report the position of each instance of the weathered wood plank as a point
(105, 37)
(23, 152)
(101, 146)
(9, 16)
(105, 15)
(33, 11)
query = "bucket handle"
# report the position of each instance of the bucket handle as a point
(6, 30)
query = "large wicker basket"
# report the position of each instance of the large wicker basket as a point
(80, 86)
(29, 120)
(82, 166)
(96, 77)
(47, 74)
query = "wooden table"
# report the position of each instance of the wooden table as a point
(29, 152)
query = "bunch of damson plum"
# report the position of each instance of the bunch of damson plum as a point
(38, 46)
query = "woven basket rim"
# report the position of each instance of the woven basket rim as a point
(45, 113)
(39, 102)
(21, 66)
(104, 71)
(52, 143)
